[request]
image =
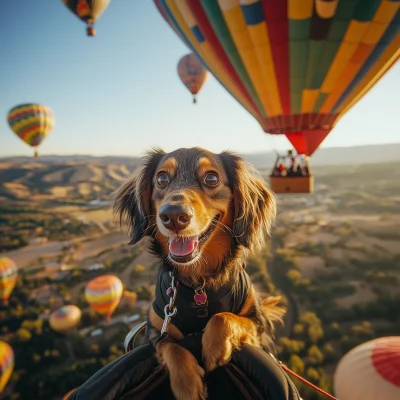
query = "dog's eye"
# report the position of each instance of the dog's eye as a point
(211, 179)
(162, 180)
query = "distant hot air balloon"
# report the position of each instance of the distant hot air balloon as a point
(192, 74)
(8, 278)
(104, 293)
(65, 318)
(370, 371)
(130, 298)
(32, 123)
(296, 65)
(67, 394)
(6, 364)
(88, 11)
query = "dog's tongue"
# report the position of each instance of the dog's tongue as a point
(182, 246)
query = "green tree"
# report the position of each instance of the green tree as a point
(296, 364)
(314, 356)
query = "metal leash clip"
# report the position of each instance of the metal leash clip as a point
(169, 310)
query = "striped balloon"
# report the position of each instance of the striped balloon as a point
(104, 293)
(370, 371)
(8, 278)
(65, 318)
(6, 364)
(296, 65)
(88, 11)
(31, 122)
(192, 73)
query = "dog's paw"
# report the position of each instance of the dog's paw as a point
(186, 375)
(188, 384)
(216, 352)
(216, 344)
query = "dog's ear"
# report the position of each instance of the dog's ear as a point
(132, 202)
(254, 205)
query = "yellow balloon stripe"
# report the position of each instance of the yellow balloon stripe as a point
(237, 27)
(300, 9)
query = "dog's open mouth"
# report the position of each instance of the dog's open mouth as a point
(185, 249)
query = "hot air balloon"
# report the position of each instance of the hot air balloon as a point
(6, 364)
(8, 278)
(103, 294)
(370, 371)
(65, 318)
(192, 73)
(88, 11)
(296, 65)
(130, 298)
(32, 123)
(67, 394)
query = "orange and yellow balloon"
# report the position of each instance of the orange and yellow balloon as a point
(88, 11)
(8, 278)
(65, 318)
(296, 65)
(104, 294)
(32, 123)
(6, 364)
(192, 74)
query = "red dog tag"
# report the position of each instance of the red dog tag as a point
(200, 298)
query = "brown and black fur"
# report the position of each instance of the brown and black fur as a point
(247, 211)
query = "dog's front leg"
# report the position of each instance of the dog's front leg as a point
(186, 375)
(224, 333)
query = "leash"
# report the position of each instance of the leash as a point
(287, 369)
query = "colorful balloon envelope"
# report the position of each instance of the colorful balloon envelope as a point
(6, 364)
(192, 73)
(88, 11)
(8, 278)
(67, 394)
(32, 123)
(370, 371)
(65, 318)
(104, 294)
(296, 65)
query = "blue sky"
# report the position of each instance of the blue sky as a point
(119, 93)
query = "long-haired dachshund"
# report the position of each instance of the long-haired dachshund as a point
(203, 213)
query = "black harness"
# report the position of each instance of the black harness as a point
(192, 317)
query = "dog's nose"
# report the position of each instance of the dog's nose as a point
(175, 217)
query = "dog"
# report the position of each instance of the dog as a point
(204, 213)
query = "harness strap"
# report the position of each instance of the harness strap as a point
(287, 369)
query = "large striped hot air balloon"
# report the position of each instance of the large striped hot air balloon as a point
(65, 318)
(192, 74)
(296, 65)
(8, 278)
(32, 123)
(6, 364)
(88, 11)
(104, 293)
(370, 371)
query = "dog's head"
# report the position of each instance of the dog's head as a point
(199, 207)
